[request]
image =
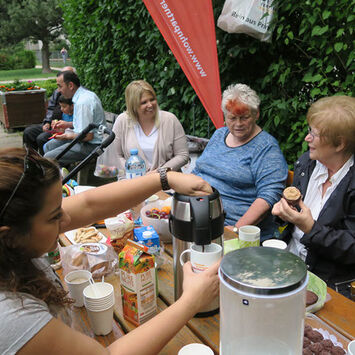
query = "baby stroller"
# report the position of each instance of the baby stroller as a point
(94, 154)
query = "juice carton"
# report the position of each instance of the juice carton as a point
(138, 283)
(147, 236)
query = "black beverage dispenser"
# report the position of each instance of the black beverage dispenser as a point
(199, 220)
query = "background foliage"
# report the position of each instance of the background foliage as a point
(311, 56)
(19, 59)
(30, 19)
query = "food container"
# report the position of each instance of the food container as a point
(327, 331)
(161, 226)
(262, 302)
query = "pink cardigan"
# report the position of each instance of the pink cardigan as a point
(170, 148)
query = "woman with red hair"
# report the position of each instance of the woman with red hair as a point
(244, 163)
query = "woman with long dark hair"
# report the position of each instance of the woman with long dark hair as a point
(33, 304)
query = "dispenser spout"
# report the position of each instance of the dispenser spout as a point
(201, 220)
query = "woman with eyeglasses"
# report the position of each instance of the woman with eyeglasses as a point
(33, 304)
(244, 163)
(322, 230)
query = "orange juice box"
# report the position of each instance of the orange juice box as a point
(138, 283)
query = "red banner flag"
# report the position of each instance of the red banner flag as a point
(189, 30)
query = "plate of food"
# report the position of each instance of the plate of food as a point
(316, 293)
(85, 235)
(320, 337)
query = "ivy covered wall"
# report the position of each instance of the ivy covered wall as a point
(311, 55)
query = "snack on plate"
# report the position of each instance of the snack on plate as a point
(87, 235)
(319, 341)
(311, 298)
(292, 195)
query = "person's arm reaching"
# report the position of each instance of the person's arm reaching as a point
(148, 339)
(111, 199)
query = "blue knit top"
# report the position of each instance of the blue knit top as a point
(256, 169)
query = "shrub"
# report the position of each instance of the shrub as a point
(6, 62)
(24, 60)
(50, 85)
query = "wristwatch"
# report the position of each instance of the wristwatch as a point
(235, 229)
(163, 178)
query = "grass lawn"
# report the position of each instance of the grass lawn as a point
(25, 74)
(58, 63)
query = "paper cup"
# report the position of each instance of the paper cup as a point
(351, 348)
(249, 236)
(195, 349)
(77, 280)
(98, 295)
(101, 321)
(99, 300)
(274, 243)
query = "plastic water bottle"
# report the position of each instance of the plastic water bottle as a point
(135, 165)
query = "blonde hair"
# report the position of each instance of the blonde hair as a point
(334, 118)
(133, 95)
(241, 93)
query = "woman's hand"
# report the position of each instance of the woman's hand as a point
(303, 219)
(188, 184)
(200, 289)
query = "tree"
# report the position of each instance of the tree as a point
(31, 19)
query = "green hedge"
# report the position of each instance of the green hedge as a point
(50, 85)
(311, 55)
(21, 59)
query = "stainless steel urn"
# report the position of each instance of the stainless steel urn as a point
(198, 220)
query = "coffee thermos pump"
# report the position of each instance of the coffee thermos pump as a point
(199, 220)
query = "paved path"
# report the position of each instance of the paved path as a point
(10, 139)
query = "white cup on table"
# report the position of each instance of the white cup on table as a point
(195, 349)
(77, 280)
(249, 236)
(351, 348)
(274, 243)
(202, 256)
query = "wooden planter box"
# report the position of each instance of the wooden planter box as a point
(22, 108)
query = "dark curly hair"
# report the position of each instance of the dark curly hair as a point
(17, 272)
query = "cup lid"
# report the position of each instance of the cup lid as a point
(263, 271)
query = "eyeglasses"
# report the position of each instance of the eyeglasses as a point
(310, 132)
(235, 118)
(31, 167)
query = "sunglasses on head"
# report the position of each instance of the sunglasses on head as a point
(31, 168)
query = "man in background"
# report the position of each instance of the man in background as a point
(37, 135)
(87, 109)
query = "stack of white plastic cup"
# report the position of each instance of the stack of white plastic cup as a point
(99, 300)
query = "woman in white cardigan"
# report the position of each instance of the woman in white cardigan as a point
(158, 135)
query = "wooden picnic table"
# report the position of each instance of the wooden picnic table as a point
(338, 312)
